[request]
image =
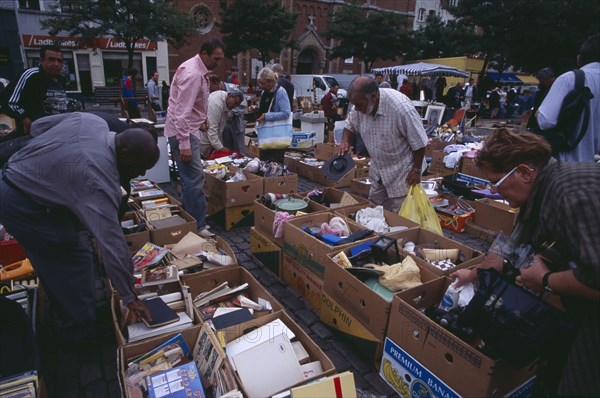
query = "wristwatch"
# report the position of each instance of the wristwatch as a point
(545, 282)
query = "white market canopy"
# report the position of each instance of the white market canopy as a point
(422, 69)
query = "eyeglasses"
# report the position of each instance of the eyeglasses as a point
(494, 187)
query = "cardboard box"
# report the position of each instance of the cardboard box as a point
(334, 197)
(444, 356)
(264, 217)
(170, 235)
(301, 280)
(234, 194)
(291, 163)
(314, 352)
(308, 251)
(115, 307)
(284, 184)
(307, 170)
(495, 215)
(127, 353)
(391, 218)
(361, 187)
(235, 276)
(468, 166)
(325, 151)
(480, 232)
(356, 310)
(341, 183)
(304, 139)
(265, 251)
(233, 217)
(437, 165)
(136, 240)
(362, 170)
(423, 238)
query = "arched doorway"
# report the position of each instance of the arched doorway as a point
(308, 62)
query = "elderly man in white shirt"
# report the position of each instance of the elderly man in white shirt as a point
(219, 104)
(394, 135)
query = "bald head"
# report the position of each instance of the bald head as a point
(137, 152)
(364, 94)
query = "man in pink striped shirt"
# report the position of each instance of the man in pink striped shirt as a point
(186, 119)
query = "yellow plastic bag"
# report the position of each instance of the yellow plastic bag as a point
(418, 208)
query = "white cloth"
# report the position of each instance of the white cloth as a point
(372, 218)
(550, 109)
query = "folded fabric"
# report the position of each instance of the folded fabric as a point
(400, 276)
(280, 218)
(372, 218)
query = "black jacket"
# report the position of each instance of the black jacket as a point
(25, 96)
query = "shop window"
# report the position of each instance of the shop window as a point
(115, 65)
(29, 4)
(421, 15)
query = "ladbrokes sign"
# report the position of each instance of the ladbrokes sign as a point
(72, 43)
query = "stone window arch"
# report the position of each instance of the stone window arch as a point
(204, 18)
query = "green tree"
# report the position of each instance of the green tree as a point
(256, 24)
(530, 34)
(368, 36)
(442, 39)
(128, 20)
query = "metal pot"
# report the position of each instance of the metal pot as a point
(291, 205)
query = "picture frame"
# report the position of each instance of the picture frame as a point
(434, 115)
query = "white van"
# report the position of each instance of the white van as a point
(303, 86)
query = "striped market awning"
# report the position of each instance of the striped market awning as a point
(422, 69)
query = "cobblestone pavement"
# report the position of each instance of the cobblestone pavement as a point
(92, 370)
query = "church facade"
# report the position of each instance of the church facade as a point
(311, 57)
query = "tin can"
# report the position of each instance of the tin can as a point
(450, 299)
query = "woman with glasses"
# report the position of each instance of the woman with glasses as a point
(559, 209)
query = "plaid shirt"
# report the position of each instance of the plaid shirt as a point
(564, 207)
(390, 137)
(188, 101)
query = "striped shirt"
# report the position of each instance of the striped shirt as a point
(390, 137)
(188, 101)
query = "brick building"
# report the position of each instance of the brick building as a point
(314, 17)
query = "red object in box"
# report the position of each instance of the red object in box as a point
(11, 252)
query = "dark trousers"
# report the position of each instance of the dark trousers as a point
(61, 254)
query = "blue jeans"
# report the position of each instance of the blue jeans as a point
(61, 253)
(192, 180)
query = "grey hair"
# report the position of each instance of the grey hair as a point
(277, 68)
(267, 74)
(235, 92)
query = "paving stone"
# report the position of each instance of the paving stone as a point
(114, 389)
(360, 382)
(67, 387)
(378, 383)
(278, 291)
(242, 256)
(109, 353)
(236, 239)
(110, 369)
(90, 372)
(97, 389)
(321, 330)
(307, 317)
(291, 301)
(249, 265)
(341, 365)
(244, 246)
(358, 363)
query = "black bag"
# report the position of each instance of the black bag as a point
(564, 137)
(515, 324)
